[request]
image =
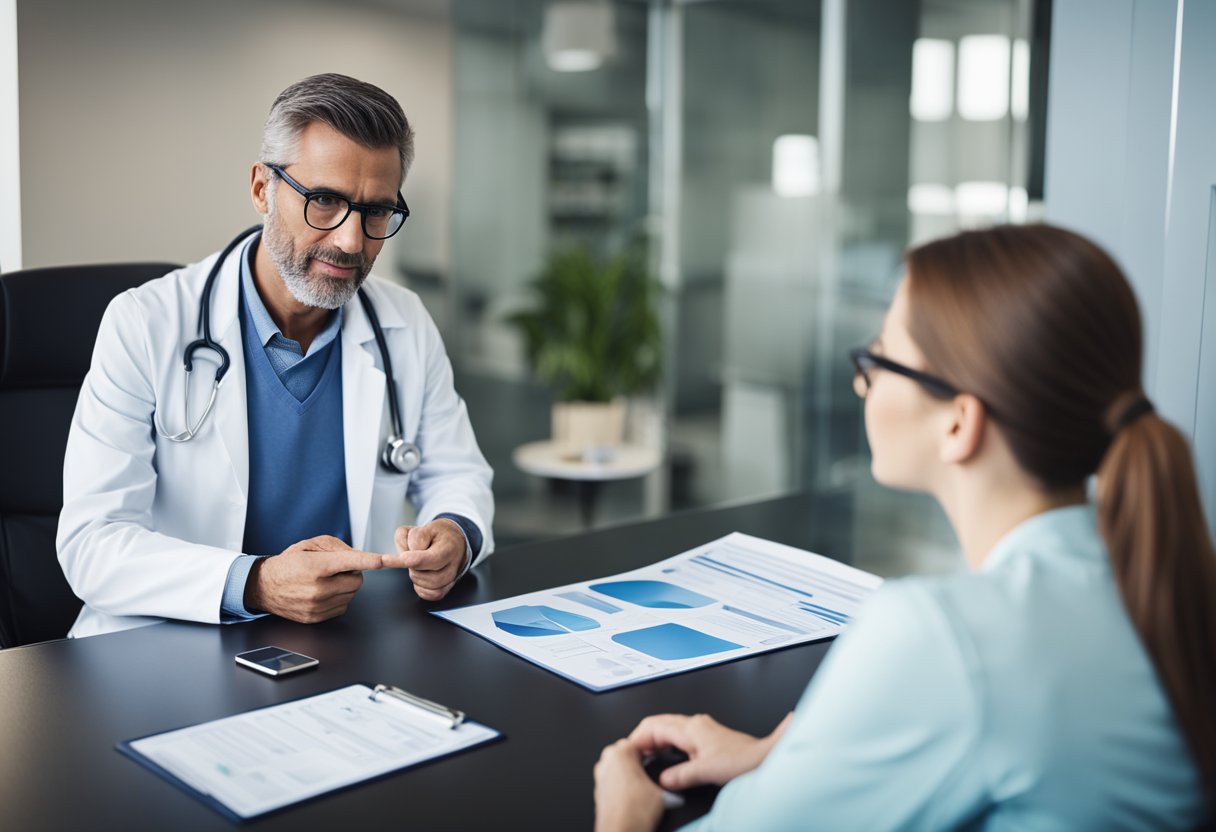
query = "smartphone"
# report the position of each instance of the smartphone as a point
(275, 661)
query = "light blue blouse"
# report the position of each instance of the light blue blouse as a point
(1014, 697)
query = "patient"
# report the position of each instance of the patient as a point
(1067, 680)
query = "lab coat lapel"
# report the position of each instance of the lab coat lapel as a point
(362, 413)
(231, 413)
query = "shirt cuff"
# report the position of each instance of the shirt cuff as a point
(472, 539)
(232, 605)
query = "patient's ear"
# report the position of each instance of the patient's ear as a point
(964, 429)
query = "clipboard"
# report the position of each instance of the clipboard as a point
(268, 759)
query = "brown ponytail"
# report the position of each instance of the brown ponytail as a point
(1150, 516)
(1042, 326)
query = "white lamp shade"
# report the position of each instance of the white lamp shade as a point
(932, 79)
(578, 35)
(983, 77)
(796, 165)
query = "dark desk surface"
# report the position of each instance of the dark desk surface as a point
(64, 705)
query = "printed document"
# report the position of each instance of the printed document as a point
(266, 759)
(734, 597)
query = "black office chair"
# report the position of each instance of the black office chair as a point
(48, 323)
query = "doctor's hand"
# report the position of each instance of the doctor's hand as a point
(310, 581)
(716, 754)
(434, 554)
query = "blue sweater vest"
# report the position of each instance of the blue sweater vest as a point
(297, 460)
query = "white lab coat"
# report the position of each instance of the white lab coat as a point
(149, 527)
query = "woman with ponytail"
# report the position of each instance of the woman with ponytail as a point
(1067, 680)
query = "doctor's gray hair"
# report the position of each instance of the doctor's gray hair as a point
(362, 112)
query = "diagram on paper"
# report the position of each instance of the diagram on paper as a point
(734, 597)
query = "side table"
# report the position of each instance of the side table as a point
(544, 459)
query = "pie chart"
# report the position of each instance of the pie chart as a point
(530, 621)
(653, 594)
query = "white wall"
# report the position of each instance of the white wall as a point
(1130, 132)
(140, 118)
(1108, 141)
(10, 155)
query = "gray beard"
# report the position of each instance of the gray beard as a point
(315, 290)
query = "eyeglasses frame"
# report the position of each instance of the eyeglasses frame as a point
(933, 384)
(361, 207)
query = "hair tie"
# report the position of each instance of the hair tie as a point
(1133, 412)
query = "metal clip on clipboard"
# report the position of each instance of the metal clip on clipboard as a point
(453, 716)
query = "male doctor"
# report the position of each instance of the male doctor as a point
(288, 488)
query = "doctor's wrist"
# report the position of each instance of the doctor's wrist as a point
(253, 588)
(466, 562)
(472, 539)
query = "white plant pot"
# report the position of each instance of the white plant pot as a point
(589, 431)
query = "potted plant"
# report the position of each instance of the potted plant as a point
(594, 336)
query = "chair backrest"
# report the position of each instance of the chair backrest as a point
(48, 323)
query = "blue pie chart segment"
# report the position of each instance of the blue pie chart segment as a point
(674, 641)
(653, 594)
(530, 621)
(570, 620)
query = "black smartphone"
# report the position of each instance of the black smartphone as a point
(275, 661)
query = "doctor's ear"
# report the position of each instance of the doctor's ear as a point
(964, 429)
(259, 181)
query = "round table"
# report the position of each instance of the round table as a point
(544, 459)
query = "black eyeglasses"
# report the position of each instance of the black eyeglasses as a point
(864, 361)
(325, 211)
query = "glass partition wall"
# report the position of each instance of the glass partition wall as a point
(779, 155)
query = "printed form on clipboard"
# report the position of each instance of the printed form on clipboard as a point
(735, 597)
(267, 759)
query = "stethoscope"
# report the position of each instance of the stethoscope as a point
(398, 454)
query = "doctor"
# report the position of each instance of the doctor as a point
(267, 475)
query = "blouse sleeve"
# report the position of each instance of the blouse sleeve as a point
(884, 737)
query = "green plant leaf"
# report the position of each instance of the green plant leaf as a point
(594, 332)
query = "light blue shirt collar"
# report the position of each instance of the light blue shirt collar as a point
(1069, 530)
(265, 325)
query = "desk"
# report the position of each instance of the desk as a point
(64, 705)
(544, 459)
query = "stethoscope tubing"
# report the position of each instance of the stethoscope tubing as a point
(206, 342)
(412, 456)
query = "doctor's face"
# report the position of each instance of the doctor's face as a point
(325, 268)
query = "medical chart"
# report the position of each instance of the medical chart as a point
(256, 762)
(737, 596)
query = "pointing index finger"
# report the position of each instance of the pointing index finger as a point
(424, 559)
(352, 560)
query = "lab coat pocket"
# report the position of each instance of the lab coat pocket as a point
(389, 509)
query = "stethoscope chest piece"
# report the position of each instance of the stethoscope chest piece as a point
(401, 456)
